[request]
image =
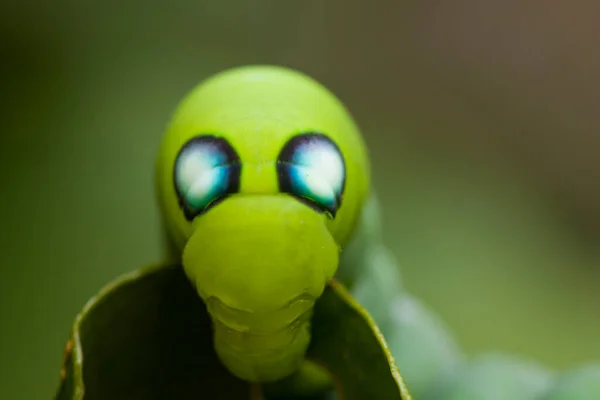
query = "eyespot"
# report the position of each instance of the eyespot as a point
(311, 167)
(207, 170)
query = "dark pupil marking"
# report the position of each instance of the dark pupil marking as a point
(207, 170)
(311, 167)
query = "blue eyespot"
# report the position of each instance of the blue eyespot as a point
(311, 167)
(207, 169)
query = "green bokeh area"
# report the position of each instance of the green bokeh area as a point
(86, 92)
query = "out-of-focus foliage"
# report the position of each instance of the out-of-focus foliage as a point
(481, 118)
(582, 384)
(432, 363)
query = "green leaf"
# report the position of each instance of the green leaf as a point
(347, 342)
(147, 336)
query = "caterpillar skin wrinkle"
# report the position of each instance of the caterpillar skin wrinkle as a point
(262, 176)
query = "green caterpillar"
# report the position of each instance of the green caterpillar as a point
(262, 176)
(264, 185)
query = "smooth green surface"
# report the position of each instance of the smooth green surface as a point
(147, 335)
(86, 92)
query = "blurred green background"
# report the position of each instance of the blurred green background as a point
(481, 117)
